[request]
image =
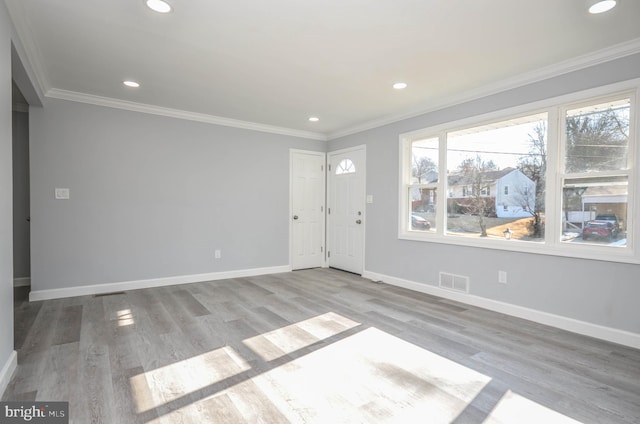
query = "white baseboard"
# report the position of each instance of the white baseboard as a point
(7, 371)
(21, 281)
(154, 282)
(614, 335)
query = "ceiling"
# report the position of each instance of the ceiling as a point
(276, 63)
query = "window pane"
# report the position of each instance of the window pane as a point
(595, 210)
(423, 208)
(597, 137)
(424, 161)
(496, 179)
(424, 172)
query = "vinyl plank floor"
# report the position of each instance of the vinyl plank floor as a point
(311, 346)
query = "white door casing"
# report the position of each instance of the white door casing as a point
(346, 209)
(307, 201)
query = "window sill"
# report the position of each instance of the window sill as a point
(589, 252)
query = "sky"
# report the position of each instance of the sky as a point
(503, 143)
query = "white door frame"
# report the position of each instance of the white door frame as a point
(324, 204)
(330, 175)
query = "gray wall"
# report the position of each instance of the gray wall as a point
(598, 292)
(6, 200)
(152, 196)
(21, 233)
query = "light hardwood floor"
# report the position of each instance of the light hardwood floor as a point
(313, 346)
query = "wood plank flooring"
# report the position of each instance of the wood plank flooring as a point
(313, 346)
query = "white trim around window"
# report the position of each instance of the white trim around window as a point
(432, 182)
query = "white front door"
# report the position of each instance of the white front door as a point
(307, 209)
(346, 209)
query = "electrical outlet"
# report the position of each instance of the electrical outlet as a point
(62, 193)
(502, 277)
(217, 254)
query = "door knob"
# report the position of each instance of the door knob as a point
(358, 221)
(295, 216)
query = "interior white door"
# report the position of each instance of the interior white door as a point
(346, 210)
(307, 209)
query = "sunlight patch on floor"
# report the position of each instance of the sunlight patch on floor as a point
(514, 408)
(277, 343)
(124, 317)
(161, 385)
(371, 376)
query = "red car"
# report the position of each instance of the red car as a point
(419, 223)
(599, 229)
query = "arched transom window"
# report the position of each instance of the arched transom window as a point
(345, 166)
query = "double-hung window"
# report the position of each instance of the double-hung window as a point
(559, 179)
(596, 170)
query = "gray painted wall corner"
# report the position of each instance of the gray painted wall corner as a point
(6, 203)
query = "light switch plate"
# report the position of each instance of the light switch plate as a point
(369, 198)
(62, 193)
(502, 277)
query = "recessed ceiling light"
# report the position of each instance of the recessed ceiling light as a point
(601, 6)
(159, 6)
(314, 119)
(400, 85)
(131, 84)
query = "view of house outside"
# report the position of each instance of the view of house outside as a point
(496, 178)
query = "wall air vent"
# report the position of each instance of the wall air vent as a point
(454, 282)
(108, 294)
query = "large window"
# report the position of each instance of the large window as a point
(483, 163)
(559, 180)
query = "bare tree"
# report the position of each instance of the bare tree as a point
(534, 166)
(473, 173)
(598, 141)
(470, 163)
(422, 166)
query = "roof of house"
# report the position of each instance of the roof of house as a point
(486, 176)
(605, 191)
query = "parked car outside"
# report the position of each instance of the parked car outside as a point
(600, 230)
(612, 218)
(419, 223)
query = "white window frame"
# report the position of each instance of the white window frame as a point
(551, 245)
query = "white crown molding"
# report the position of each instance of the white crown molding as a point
(34, 58)
(25, 43)
(609, 334)
(179, 114)
(570, 65)
(92, 289)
